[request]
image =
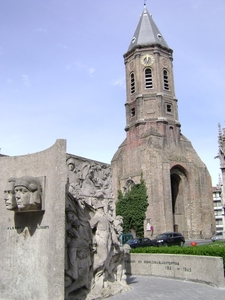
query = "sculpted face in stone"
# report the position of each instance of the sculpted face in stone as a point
(28, 193)
(100, 208)
(71, 164)
(9, 196)
(71, 167)
(70, 216)
(22, 197)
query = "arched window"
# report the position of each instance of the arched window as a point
(132, 83)
(148, 78)
(165, 80)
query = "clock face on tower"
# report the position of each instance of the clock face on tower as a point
(147, 60)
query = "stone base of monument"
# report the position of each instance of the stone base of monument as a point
(98, 292)
(202, 269)
(109, 289)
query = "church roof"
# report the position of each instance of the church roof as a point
(147, 33)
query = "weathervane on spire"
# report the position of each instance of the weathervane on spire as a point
(145, 2)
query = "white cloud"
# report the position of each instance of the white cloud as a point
(40, 29)
(119, 82)
(26, 80)
(79, 66)
(91, 71)
(62, 46)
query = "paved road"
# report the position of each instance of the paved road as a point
(155, 288)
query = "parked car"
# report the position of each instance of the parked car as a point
(218, 236)
(169, 239)
(125, 237)
(140, 242)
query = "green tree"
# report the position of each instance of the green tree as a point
(132, 207)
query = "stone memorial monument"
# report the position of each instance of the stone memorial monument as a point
(59, 231)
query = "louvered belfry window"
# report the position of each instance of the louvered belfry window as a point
(165, 80)
(132, 83)
(148, 79)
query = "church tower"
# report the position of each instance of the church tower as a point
(177, 181)
(151, 97)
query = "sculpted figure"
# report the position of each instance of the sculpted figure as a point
(73, 186)
(102, 240)
(78, 249)
(107, 181)
(9, 195)
(111, 210)
(88, 187)
(116, 270)
(98, 186)
(118, 225)
(94, 257)
(28, 193)
(72, 234)
(115, 256)
(117, 263)
(89, 180)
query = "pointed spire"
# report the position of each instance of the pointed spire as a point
(147, 33)
(219, 134)
(223, 137)
(219, 181)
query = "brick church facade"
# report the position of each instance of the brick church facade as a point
(178, 182)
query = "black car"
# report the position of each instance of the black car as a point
(140, 242)
(169, 239)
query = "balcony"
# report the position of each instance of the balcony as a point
(219, 227)
(218, 207)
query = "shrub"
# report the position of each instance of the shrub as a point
(132, 207)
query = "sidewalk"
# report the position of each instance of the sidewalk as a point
(155, 288)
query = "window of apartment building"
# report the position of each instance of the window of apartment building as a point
(219, 222)
(218, 213)
(217, 203)
(217, 195)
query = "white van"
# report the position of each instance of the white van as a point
(218, 236)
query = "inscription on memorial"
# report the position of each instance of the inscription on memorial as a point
(169, 265)
(22, 228)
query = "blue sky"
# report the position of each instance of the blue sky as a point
(62, 73)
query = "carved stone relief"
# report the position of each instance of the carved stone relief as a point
(94, 257)
(78, 256)
(89, 180)
(23, 194)
(129, 184)
(9, 195)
